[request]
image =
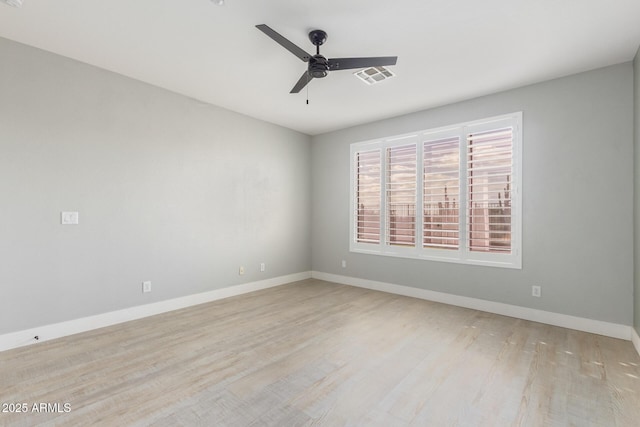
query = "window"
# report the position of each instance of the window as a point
(401, 195)
(441, 193)
(489, 170)
(465, 179)
(368, 196)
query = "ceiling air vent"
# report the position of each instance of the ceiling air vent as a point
(374, 75)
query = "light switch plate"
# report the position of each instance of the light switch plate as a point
(69, 218)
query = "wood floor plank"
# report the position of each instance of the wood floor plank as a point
(314, 353)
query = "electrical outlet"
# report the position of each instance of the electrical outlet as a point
(344, 263)
(535, 291)
(241, 270)
(146, 287)
(262, 266)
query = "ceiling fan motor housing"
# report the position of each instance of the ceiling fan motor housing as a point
(318, 66)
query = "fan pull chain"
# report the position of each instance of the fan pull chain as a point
(307, 89)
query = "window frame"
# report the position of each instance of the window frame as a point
(462, 254)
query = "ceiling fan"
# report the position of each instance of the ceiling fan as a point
(319, 66)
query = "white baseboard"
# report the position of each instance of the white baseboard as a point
(62, 329)
(571, 322)
(635, 339)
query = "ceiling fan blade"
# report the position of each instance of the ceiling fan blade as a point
(302, 82)
(284, 42)
(351, 63)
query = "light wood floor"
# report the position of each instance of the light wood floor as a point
(318, 353)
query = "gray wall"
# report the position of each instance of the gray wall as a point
(636, 189)
(577, 199)
(168, 189)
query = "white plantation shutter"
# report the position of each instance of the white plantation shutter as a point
(401, 195)
(448, 194)
(441, 193)
(489, 172)
(368, 196)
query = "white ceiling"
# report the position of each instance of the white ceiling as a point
(448, 50)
